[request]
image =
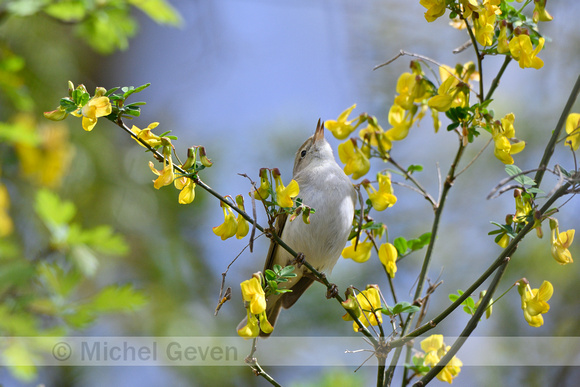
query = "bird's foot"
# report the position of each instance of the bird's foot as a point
(299, 260)
(332, 291)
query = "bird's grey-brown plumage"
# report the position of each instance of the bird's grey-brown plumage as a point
(324, 187)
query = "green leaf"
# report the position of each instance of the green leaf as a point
(79, 317)
(52, 210)
(400, 244)
(452, 126)
(111, 91)
(108, 29)
(68, 11)
(57, 279)
(419, 243)
(117, 298)
(414, 168)
(158, 10)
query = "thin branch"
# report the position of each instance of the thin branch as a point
(410, 177)
(425, 58)
(507, 180)
(475, 158)
(469, 328)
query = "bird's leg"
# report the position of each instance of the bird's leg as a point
(299, 260)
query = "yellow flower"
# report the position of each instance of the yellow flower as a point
(284, 194)
(361, 254)
(502, 41)
(263, 191)
(384, 198)
(535, 301)
(255, 300)
(342, 128)
(166, 175)
(451, 370)
(523, 207)
(435, 349)
(388, 255)
(376, 137)
(401, 121)
(254, 295)
(435, 9)
(46, 154)
(58, 114)
(501, 134)
(356, 162)
(369, 301)
(229, 227)
(522, 51)
(187, 188)
(251, 329)
(95, 108)
(431, 346)
(540, 13)
(146, 135)
(243, 227)
(483, 27)
(445, 95)
(560, 243)
(504, 240)
(573, 130)
(411, 88)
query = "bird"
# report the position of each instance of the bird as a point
(327, 189)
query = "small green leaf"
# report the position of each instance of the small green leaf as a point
(414, 168)
(111, 91)
(52, 210)
(400, 244)
(117, 298)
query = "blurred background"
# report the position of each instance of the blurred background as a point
(248, 79)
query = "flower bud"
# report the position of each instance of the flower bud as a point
(351, 304)
(240, 202)
(100, 91)
(553, 223)
(306, 215)
(203, 157)
(71, 87)
(190, 162)
(57, 114)
(509, 219)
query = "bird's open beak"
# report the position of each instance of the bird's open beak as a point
(319, 133)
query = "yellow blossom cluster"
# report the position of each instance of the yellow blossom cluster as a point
(535, 301)
(232, 225)
(255, 300)
(434, 349)
(482, 15)
(366, 306)
(505, 143)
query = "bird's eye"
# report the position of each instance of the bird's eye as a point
(303, 153)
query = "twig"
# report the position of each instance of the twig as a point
(475, 158)
(507, 180)
(422, 57)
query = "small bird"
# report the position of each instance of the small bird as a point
(325, 188)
